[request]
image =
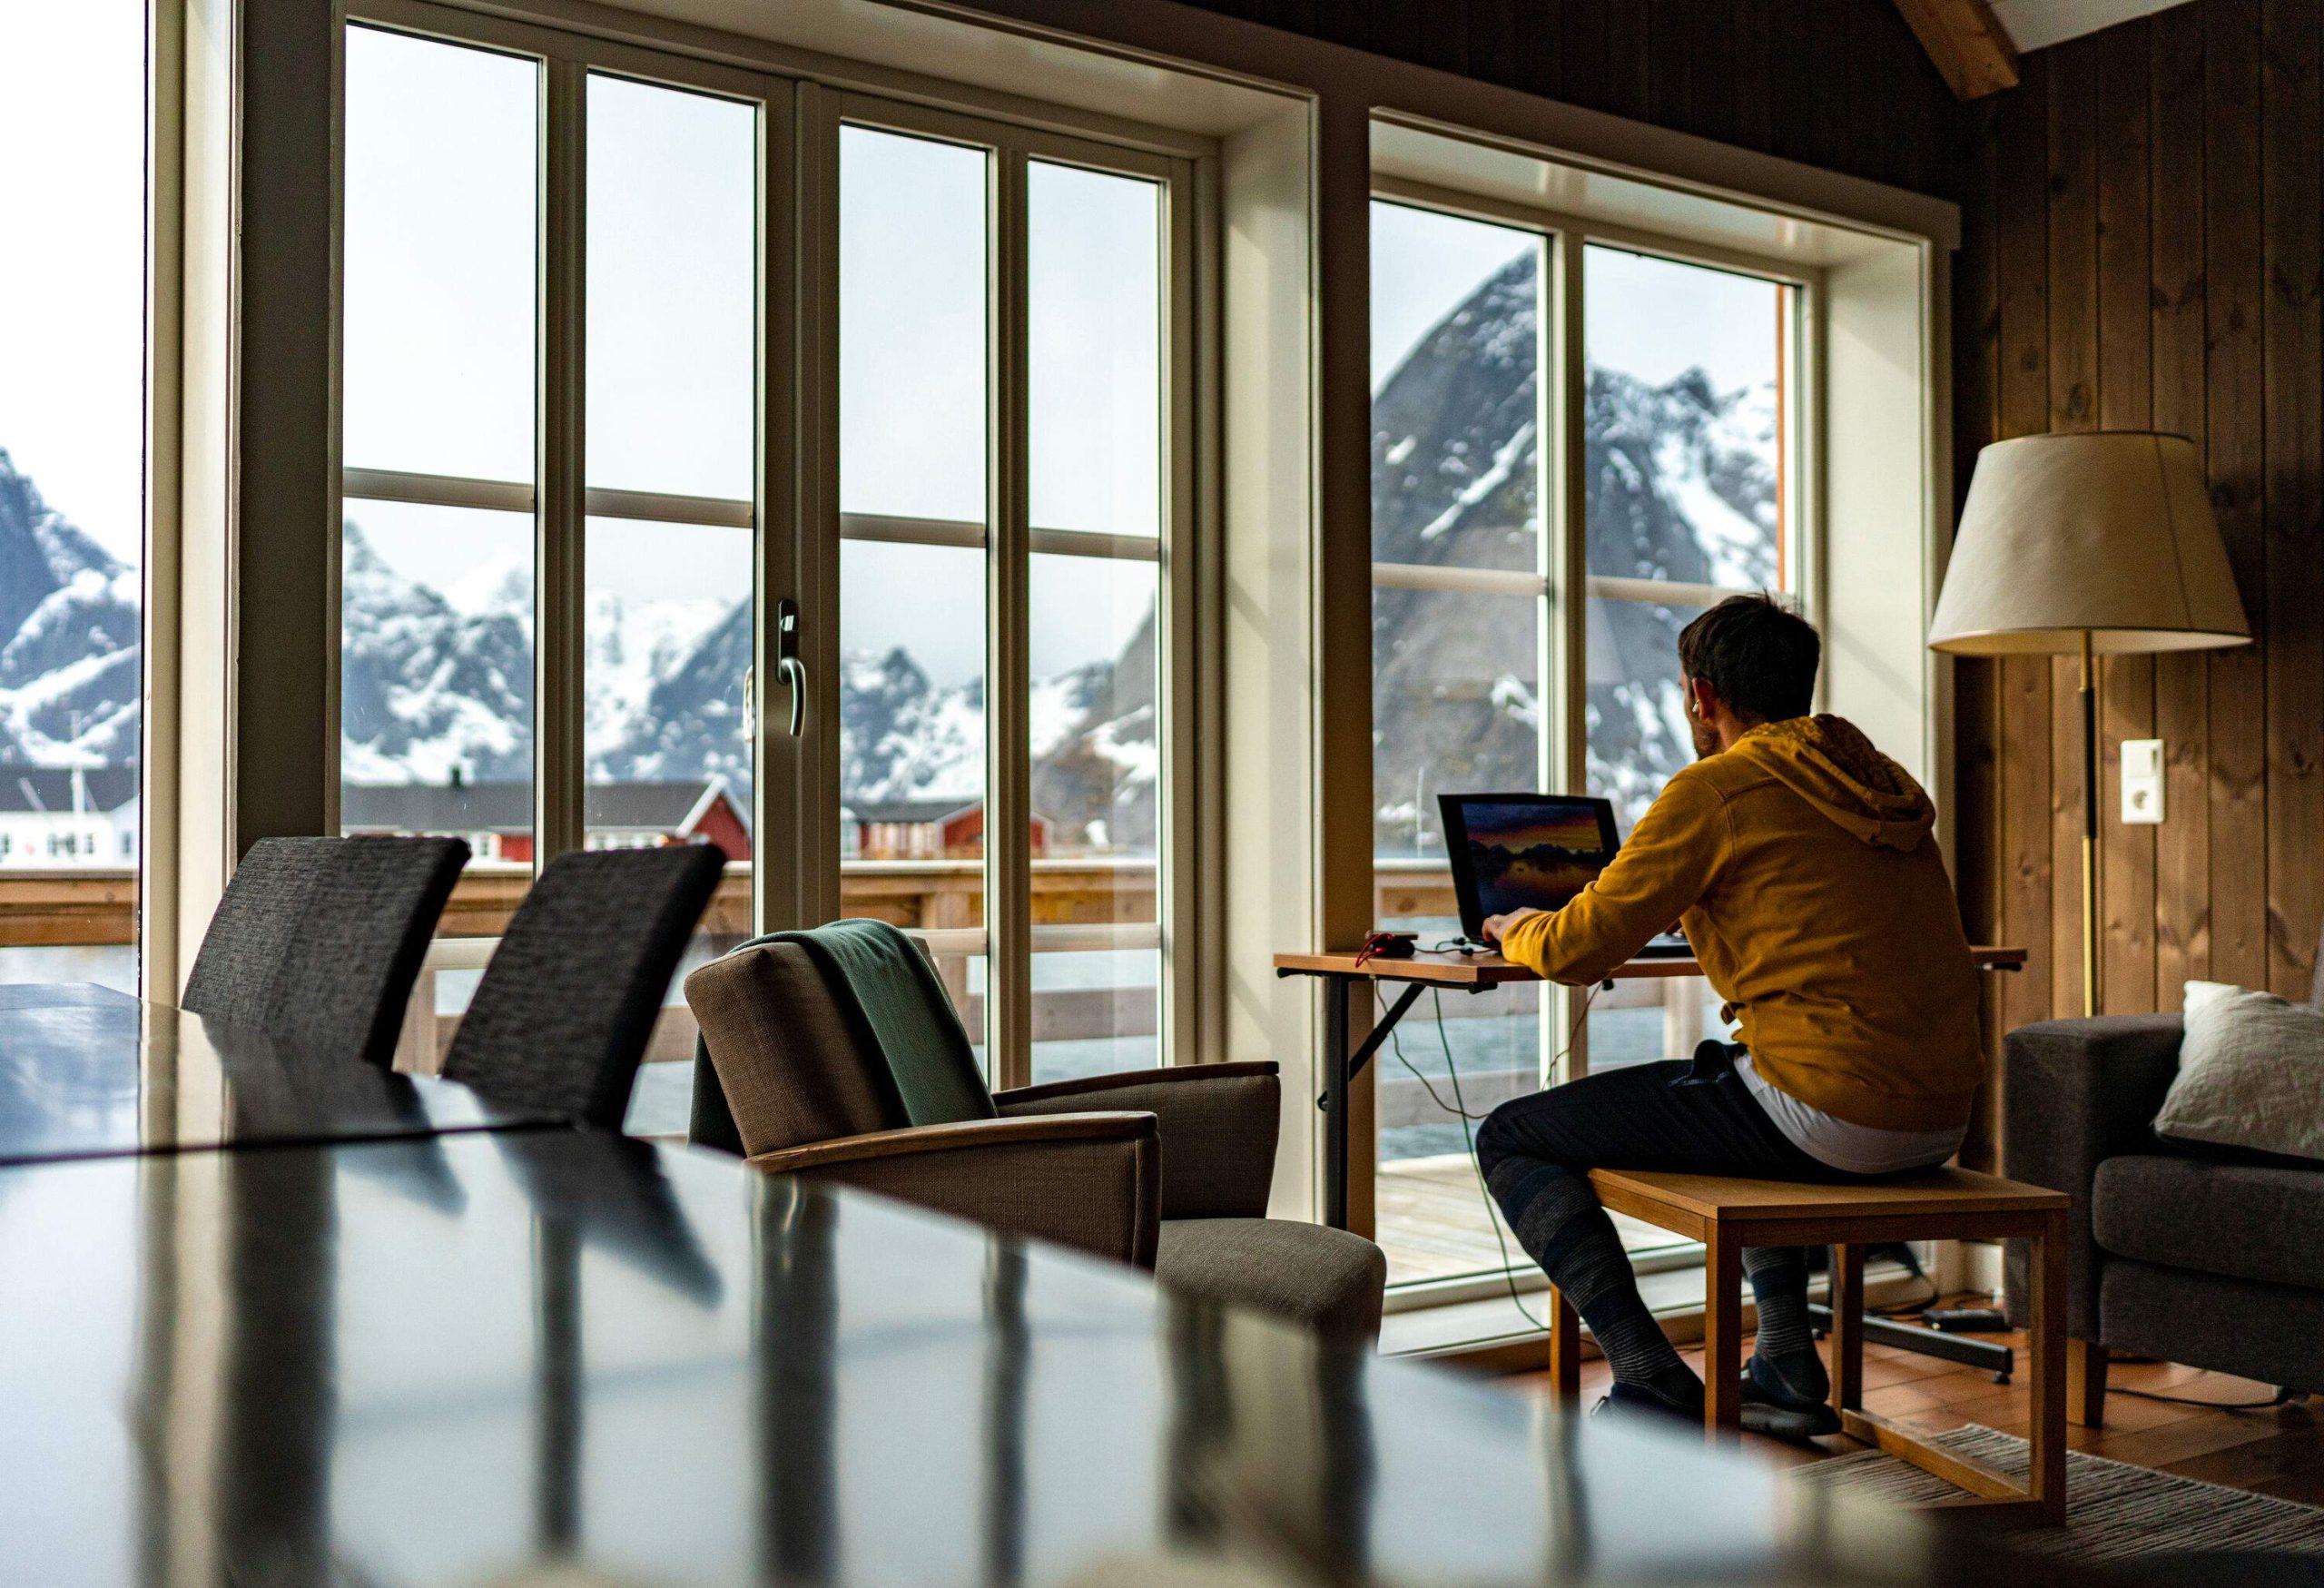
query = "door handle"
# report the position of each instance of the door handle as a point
(787, 665)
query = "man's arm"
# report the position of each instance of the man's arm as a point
(1660, 873)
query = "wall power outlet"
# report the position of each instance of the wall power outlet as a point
(2141, 781)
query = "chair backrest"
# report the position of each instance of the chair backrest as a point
(562, 1016)
(256, 920)
(793, 1057)
(319, 940)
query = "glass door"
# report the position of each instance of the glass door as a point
(1011, 504)
(555, 456)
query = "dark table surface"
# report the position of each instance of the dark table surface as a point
(86, 1072)
(565, 1358)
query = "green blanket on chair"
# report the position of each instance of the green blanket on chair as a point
(884, 974)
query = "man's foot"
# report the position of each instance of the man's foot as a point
(1780, 1412)
(1626, 1402)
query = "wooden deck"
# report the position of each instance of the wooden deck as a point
(1431, 1221)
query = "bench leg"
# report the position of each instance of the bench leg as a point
(2085, 1384)
(1847, 1327)
(1565, 1350)
(2048, 1388)
(1722, 1334)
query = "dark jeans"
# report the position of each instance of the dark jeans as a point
(1696, 1117)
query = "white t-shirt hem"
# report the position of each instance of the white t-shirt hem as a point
(1856, 1149)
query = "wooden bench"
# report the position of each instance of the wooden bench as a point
(1950, 1204)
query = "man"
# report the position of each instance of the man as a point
(1800, 862)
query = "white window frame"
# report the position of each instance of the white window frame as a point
(797, 864)
(1561, 583)
(1010, 939)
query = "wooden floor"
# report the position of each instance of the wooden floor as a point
(1431, 1217)
(2278, 1452)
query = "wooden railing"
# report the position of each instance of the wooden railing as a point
(98, 908)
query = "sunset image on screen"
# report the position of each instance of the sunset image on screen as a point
(1530, 857)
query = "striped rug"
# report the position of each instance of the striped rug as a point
(2113, 1511)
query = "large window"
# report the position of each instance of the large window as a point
(547, 607)
(1548, 511)
(1006, 734)
(572, 463)
(71, 510)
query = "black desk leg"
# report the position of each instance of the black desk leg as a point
(1336, 1080)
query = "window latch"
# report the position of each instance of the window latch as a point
(787, 665)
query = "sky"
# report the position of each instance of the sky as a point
(438, 342)
(71, 269)
(1653, 318)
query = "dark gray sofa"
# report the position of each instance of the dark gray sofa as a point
(2193, 1257)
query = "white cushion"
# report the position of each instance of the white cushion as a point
(2250, 1073)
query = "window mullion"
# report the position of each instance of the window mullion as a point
(1007, 826)
(559, 709)
(1565, 553)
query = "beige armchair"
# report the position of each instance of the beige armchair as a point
(1165, 1168)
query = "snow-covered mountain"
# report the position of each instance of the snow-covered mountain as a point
(435, 683)
(1679, 488)
(69, 638)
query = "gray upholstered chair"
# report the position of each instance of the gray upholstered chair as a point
(2207, 1257)
(318, 941)
(1165, 1168)
(565, 1009)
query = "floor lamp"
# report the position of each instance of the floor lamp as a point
(2096, 543)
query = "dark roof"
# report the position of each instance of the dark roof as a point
(909, 811)
(50, 788)
(508, 808)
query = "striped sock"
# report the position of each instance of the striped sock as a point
(1558, 1219)
(1784, 1360)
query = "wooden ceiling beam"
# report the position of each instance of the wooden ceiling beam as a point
(1970, 48)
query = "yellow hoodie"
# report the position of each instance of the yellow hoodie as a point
(1801, 864)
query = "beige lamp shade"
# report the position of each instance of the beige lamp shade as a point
(2109, 534)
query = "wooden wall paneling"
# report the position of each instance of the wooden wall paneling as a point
(1670, 56)
(2073, 121)
(2125, 403)
(2292, 361)
(1711, 68)
(1625, 59)
(1342, 22)
(1494, 45)
(1444, 35)
(1977, 705)
(2234, 386)
(1583, 27)
(2024, 795)
(1795, 86)
(2183, 942)
(1393, 27)
(1754, 112)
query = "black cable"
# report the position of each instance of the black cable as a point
(1459, 1107)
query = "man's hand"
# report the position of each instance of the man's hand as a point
(1497, 927)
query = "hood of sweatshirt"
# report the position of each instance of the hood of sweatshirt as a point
(1829, 762)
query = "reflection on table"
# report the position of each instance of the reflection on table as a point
(85, 1072)
(453, 1359)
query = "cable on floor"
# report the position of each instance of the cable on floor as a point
(1468, 1123)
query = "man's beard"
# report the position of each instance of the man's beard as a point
(1706, 740)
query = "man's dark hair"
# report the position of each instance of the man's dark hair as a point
(1760, 658)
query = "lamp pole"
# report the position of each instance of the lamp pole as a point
(2090, 770)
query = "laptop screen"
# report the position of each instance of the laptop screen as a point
(1523, 850)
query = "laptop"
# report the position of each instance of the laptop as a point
(1530, 852)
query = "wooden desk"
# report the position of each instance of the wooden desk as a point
(88, 1072)
(551, 1356)
(1478, 972)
